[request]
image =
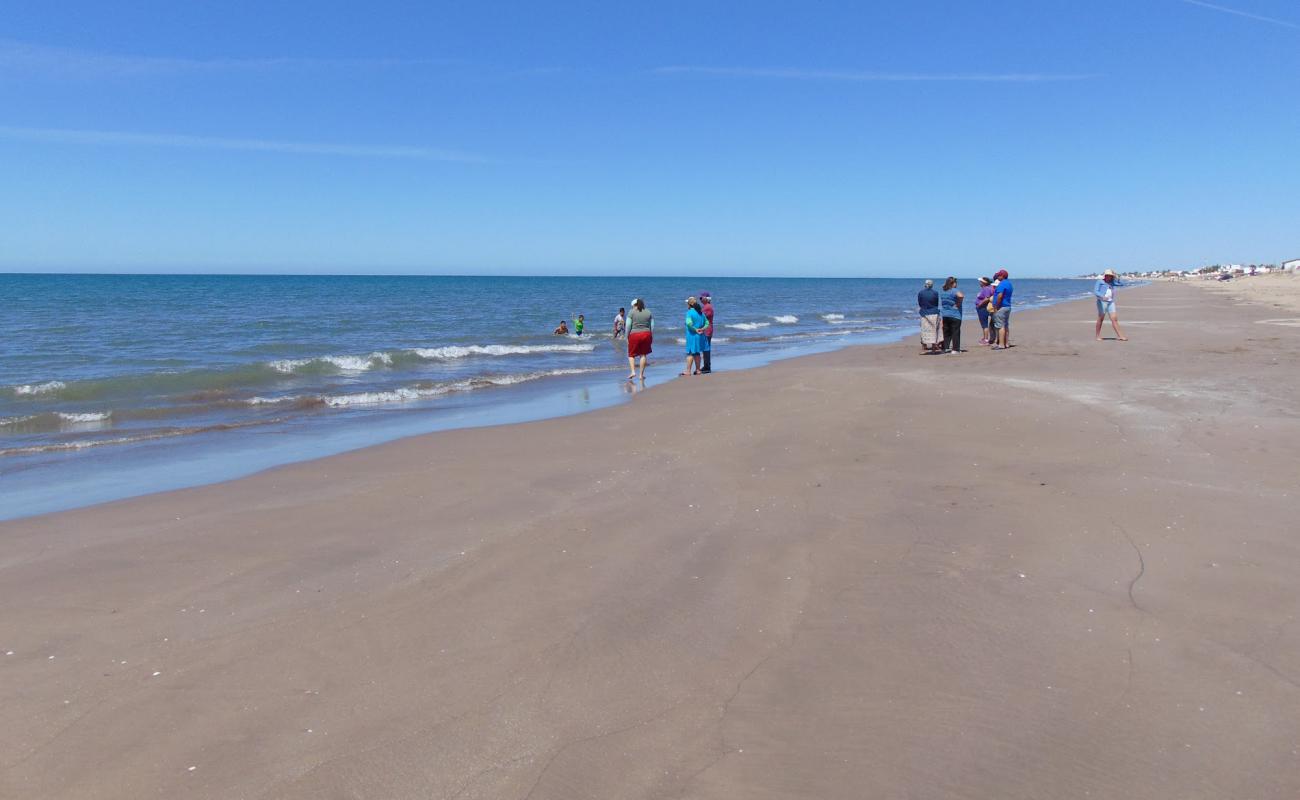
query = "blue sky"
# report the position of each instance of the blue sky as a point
(767, 138)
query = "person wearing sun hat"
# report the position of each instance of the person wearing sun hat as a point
(1105, 292)
(927, 304)
(981, 308)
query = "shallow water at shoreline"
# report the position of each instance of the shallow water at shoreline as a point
(115, 386)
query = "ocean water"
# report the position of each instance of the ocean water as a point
(115, 385)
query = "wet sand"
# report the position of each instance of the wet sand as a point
(1064, 571)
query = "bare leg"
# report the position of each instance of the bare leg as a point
(643, 359)
(1114, 322)
(631, 367)
(1100, 319)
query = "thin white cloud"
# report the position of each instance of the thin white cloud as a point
(173, 140)
(869, 77)
(30, 58)
(1248, 15)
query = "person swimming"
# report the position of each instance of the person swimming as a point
(562, 329)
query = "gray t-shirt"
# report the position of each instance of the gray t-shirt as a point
(640, 321)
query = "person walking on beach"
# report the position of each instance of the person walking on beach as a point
(1105, 292)
(706, 307)
(1002, 309)
(927, 302)
(640, 337)
(695, 339)
(981, 308)
(950, 300)
(620, 323)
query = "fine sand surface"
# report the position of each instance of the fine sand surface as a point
(1068, 570)
(1280, 291)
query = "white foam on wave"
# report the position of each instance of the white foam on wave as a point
(401, 395)
(748, 326)
(832, 317)
(464, 351)
(6, 422)
(89, 416)
(39, 388)
(786, 319)
(344, 363)
(406, 394)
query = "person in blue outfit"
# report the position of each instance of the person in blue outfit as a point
(1105, 292)
(950, 300)
(927, 305)
(1002, 309)
(696, 341)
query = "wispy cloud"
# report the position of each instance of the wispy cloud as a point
(173, 140)
(1248, 15)
(869, 77)
(31, 58)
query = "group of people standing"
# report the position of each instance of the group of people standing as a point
(941, 314)
(638, 325)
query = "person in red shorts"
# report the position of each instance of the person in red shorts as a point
(640, 337)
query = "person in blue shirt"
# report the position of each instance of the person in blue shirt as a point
(950, 300)
(696, 341)
(1002, 309)
(1105, 292)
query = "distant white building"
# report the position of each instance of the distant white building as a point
(1293, 264)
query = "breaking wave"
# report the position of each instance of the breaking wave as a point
(38, 388)
(464, 351)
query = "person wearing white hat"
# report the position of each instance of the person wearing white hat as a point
(927, 303)
(1105, 292)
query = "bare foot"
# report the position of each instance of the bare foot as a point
(1123, 338)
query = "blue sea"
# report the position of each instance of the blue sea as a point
(118, 385)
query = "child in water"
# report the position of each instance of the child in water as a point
(562, 329)
(577, 325)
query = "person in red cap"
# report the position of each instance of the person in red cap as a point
(1002, 309)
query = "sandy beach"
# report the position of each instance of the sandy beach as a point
(1280, 291)
(1068, 570)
